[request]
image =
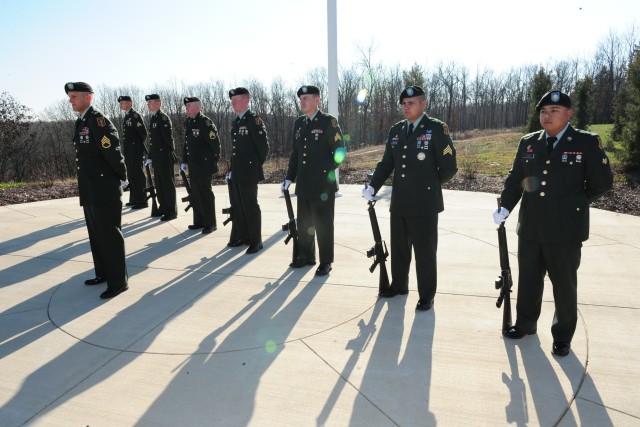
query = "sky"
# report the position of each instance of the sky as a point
(119, 43)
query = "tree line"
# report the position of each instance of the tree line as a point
(38, 146)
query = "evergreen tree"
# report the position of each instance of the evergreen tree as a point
(540, 85)
(583, 103)
(414, 77)
(631, 121)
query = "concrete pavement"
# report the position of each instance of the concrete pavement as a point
(207, 335)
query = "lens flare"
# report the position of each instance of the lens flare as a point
(530, 184)
(346, 138)
(339, 155)
(311, 231)
(270, 346)
(331, 176)
(324, 196)
(362, 96)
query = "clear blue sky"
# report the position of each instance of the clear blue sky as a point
(46, 43)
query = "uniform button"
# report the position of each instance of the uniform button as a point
(404, 166)
(304, 154)
(544, 172)
(402, 175)
(78, 167)
(234, 154)
(404, 156)
(544, 182)
(542, 194)
(304, 162)
(578, 209)
(548, 162)
(250, 162)
(428, 188)
(405, 147)
(205, 158)
(101, 174)
(570, 163)
(76, 159)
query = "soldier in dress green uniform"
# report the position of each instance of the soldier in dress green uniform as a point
(250, 147)
(421, 154)
(318, 150)
(201, 154)
(134, 134)
(162, 156)
(557, 172)
(101, 175)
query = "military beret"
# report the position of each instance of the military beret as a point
(238, 91)
(152, 96)
(188, 99)
(124, 98)
(308, 90)
(77, 87)
(554, 97)
(411, 91)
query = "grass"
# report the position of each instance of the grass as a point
(12, 184)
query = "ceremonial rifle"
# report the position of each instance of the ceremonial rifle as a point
(504, 281)
(228, 211)
(150, 191)
(379, 251)
(188, 187)
(291, 226)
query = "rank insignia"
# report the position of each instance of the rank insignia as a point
(212, 135)
(338, 137)
(447, 150)
(445, 129)
(139, 124)
(605, 161)
(334, 123)
(106, 142)
(101, 121)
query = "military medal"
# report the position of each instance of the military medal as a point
(421, 156)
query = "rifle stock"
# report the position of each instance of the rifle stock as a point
(379, 251)
(504, 281)
(291, 226)
(188, 187)
(150, 191)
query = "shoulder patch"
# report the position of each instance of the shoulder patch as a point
(136, 115)
(208, 122)
(259, 121)
(334, 122)
(445, 129)
(101, 122)
(165, 118)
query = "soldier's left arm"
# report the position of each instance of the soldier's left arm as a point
(166, 129)
(106, 136)
(212, 139)
(334, 137)
(141, 129)
(258, 134)
(598, 175)
(445, 153)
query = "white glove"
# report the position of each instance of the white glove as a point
(499, 216)
(227, 177)
(147, 162)
(183, 167)
(367, 192)
(285, 185)
(124, 183)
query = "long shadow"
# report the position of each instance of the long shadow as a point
(93, 358)
(225, 376)
(517, 410)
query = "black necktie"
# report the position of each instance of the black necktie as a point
(410, 131)
(550, 141)
(308, 121)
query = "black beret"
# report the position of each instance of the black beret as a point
(152, 96)
(188, 99)
(308, 90)
(77, 87)
(554, 97)
(124, 98)
(238, 91)
(410, 92)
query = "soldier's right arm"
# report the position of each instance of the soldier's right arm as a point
(384, 166)
(512, 191)
(292, 170)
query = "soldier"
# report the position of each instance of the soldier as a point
(134, 133)
(201, 154)
(250, 149)
(422, 154)
(318, 149)
(101, 175)
(162, 154)
(557, 172)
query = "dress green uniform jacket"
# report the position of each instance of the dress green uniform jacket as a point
(250, 147)
(556, 188)
(161, 145)
(422, 162)
(202, 145)
(313, 158)
(134, 133)
(99, 161)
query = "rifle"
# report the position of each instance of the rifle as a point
(291, 226)
(150, 191)
(188, 187)
(379, 251)
(504, 282)
(228, 211)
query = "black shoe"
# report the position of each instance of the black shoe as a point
(157, 214)
(195, 227)
(392, 292)
(129, 204)
(168, 217)
(323, 269)
(253, 248)
(515, 333)
(139, 206)
(110, 293)
(561, 348)
(299, 263)
(424, 305)
(208, 229)
(235, 243)
(95, 281)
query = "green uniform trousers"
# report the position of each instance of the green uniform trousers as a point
(247, 217)
(315, 216)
